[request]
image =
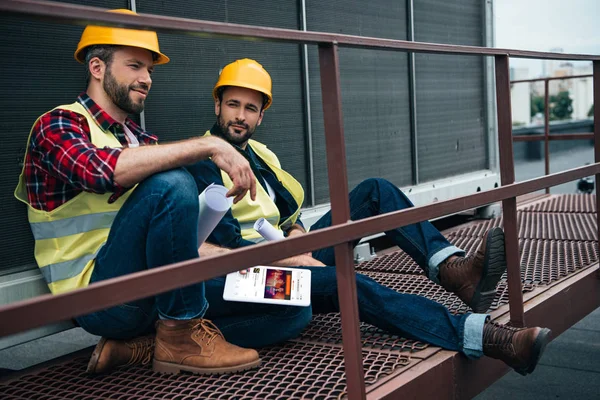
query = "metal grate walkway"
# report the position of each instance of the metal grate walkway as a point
(556, 236)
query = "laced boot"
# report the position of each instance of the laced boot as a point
(474, 278)
(198, 346)
(110, 354)
(519, 348)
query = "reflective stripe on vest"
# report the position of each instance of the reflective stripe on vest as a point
(72, 226)
(66, 269)
(68, 238)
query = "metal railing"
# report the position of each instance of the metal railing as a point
(546, 137)
(46, 309)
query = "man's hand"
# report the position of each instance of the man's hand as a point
(308, 261)
(209, 249)
(302, 260)
(227, 158)
(295, 232)
(298, 232)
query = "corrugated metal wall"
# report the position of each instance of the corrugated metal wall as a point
(39, 73)
(181, 104)
(374, 92)
(450, 91)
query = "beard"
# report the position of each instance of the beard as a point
(228, 132)
(119, 94)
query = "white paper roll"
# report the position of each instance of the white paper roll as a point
(267, 230)
(213, 206)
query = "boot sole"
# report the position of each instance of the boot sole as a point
(493, 268)
(539, 345)
(172, 368)
(91, 367)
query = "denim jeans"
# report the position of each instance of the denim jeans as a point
(157, 226)
(407, 315)
(422, 241)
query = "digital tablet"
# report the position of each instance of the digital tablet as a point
(269, 285)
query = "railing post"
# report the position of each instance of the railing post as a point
(340, 213)
(507, 176)
(596, 80)
(547, 130)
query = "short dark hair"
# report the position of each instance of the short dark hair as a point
(222, 89)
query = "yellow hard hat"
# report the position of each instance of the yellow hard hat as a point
(248, 74)
(94, 34)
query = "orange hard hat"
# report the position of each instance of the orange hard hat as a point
(94, 34)
(248, 74)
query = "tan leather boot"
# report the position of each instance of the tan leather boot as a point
(519, 348)
(110, 354)
(474, 278)
(199, 347)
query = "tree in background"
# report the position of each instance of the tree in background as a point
(591, 112)
(537, 105)
(561, 106)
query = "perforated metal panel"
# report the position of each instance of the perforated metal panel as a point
(400, 262)
(311, 366)
(39, 74)
(542, 261)
(545, 261)
(292, 371)
(570, 203)
(327, 328)
(374, 92)
(451, 121)
(558, 226)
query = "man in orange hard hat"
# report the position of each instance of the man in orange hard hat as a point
(104, 201)
(242, 94)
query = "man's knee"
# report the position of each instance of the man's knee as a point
(375, 184)
(378, 186)
(176, 184)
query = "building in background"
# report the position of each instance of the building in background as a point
(582, 92)
(520, 97)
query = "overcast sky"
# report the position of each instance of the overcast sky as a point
(573, 25)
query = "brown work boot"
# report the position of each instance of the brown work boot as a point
(474, 278)
(198, 346)
(519, 348)
(110, 354)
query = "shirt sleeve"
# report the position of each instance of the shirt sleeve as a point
(227, 233)
(60, 146)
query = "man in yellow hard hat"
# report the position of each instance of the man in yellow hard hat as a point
(242, 95)
(104, 200)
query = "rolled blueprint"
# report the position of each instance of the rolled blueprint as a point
(268, 231)
(213, 205)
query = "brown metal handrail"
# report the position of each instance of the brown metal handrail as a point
(47, 309)
(546, 137)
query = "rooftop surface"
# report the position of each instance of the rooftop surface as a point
(558, 252)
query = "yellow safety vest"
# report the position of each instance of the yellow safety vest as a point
(68, 238)
(248, 211)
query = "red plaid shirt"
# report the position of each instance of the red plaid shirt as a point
(62, 162)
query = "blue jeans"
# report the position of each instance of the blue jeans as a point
(422, 241)
(407, 315)
(157, 226)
